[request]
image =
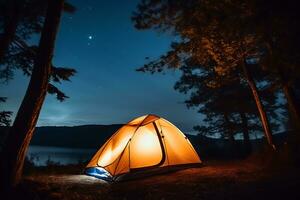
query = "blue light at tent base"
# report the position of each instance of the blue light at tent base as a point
(98, 172)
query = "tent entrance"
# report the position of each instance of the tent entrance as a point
(146, 148)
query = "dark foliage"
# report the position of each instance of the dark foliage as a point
(213, 41)
(20, 54)
(4, 115)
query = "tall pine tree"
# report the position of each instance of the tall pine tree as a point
(38, 60)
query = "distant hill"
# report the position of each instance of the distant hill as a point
(85, 136)
(220, 148)
(93, 136)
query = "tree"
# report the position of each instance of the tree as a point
(280, 31)
(19, 18)
(4, 115)
(226, 103)
(21, 132)
(11, 12)
(17, 54)
(207, 31)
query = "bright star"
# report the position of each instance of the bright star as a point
(90, 37)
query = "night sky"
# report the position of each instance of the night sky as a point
(100, 42)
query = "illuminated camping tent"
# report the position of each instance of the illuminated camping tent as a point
(144, 144)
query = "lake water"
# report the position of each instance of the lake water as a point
(41, 155)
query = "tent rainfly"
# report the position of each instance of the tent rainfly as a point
(144, 145)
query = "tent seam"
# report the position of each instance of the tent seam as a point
(121, 157)
(164, 143)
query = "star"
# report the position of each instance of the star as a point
(90, 38)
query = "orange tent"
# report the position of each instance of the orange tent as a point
(143, 144)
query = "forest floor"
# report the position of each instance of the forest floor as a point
(215, 180)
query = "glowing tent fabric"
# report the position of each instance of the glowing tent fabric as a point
(145, 143)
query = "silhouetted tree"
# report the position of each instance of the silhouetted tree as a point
(278, 25)
(20, 19)
(21, 132)
(4, 115)
(226, 103)
(10, 11)
(215, 34)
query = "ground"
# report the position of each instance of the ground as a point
(215, 180)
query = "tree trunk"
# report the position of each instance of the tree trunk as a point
(245, 129)
(294, 107)
(229, 128)
(229, 131)
(21, 132)
(293, 139)
(290, 97)
(260, 107)
(11, 18)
